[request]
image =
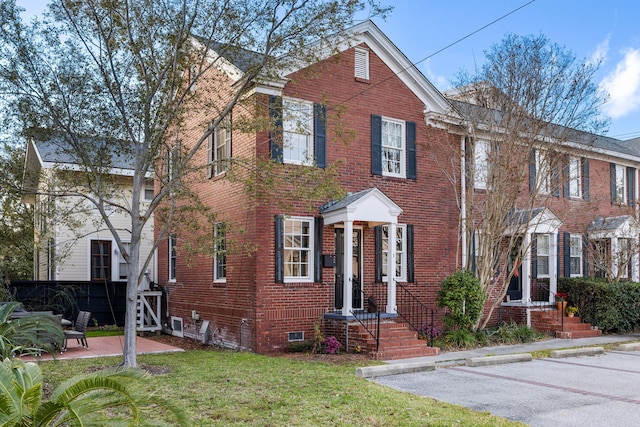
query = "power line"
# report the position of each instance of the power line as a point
(413, 65)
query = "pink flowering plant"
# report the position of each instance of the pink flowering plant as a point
(331, 345)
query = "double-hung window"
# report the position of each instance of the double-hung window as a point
(298, 248)
(297, 128)
(575, 177)
(543, 172)
(401, 252)
(219, 148)
(575, 255)
(543, 252)
(393, 147)
(173, 241)
(620, 184)
(220, 256)
(481, 165)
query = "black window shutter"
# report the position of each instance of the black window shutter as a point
(557, 255)
(472, 255)
(567, 254)
(320, 135)
(532, 171)
(585, 179)
(411, 150)
(612, 170)
(631, 186)
(410, 269)
(566, 173)
(275, 134)
(534, 257)
(376, 144)
(585, 256)
(378, 243)
(467, 161)
(317, 250)
(279, 239)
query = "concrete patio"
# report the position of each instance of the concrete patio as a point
(106, 346)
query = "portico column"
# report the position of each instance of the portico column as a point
(391, 269)
(347, 283)
(526, 268)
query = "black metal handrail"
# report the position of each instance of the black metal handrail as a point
(417, 314)
(545, 308)
(370, 317)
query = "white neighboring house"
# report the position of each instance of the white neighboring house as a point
(71, 239)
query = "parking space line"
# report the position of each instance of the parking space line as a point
(554, 386)
(590, 366)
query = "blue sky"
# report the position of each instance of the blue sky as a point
(589, 28)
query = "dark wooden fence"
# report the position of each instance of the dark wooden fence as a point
(105, 300)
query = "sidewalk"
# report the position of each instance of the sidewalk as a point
(457, 357)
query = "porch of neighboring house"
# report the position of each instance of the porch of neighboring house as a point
(372, 318)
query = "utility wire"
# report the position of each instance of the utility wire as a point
(413, 65)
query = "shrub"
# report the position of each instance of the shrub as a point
(331, 345)
(460, 338)
(462, 294)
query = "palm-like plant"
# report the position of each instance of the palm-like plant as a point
(109, 397)
(27, 335)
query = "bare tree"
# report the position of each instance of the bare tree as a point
(125, 71)
(519, 110)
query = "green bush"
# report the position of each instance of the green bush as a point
(613, 307)
(462, 294)
(512, 333)
(460, 338)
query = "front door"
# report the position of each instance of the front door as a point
(514, 291)
(356, 296)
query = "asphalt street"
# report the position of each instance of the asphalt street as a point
(602, 390)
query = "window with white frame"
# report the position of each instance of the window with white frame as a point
(621, 184)
(123, 265)
(575, 248)
(543, 172)
(575, 177)
(297, 128)
(220, 256)
(401, 252)
(481, 165)
(361, 63)
(173, 241)
(600, 250)
(543, 252)
(298, 246)
(219, 148)
(625, 257)
(393, 147)
(149, 193)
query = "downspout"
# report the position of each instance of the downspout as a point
(463, 205)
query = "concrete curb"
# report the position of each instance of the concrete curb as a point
(584, 351)
(498, 360)
(634, 346)
(400, 368)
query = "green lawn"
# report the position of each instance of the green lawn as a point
(225, 388)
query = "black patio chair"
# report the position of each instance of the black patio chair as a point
(79, 331)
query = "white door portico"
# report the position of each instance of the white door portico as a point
(375, 208)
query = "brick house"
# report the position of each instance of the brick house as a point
(278, 271)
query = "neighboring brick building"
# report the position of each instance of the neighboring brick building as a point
(278, 271)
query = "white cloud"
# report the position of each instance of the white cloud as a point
(600, 54)
(623, 85)
(438, 81)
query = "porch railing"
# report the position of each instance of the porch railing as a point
(369, 318)
(417, 314)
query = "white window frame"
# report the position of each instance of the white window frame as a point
(575, 177)
(121, 261)
(219, 148)
(543, 172)
(297, 132)
(481, 165)
(361, 63)
(401, 252)
(388, 150)
(298, 248)
(148, 192)
(621, 184)
(173, 257)
(220, 248)
(575, 252)
(542, 254)
(624, 257)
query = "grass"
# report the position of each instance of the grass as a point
(225, 388)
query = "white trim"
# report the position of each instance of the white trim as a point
(402, 149)
(310, 263)
(174, 332)
(169, 240)
(361, 63)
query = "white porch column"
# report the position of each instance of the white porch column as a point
(615, 250)
(526, 268)
(553, 263)
(391, 269)
(347, 286)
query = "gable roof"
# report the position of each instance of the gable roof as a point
(370, 205)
